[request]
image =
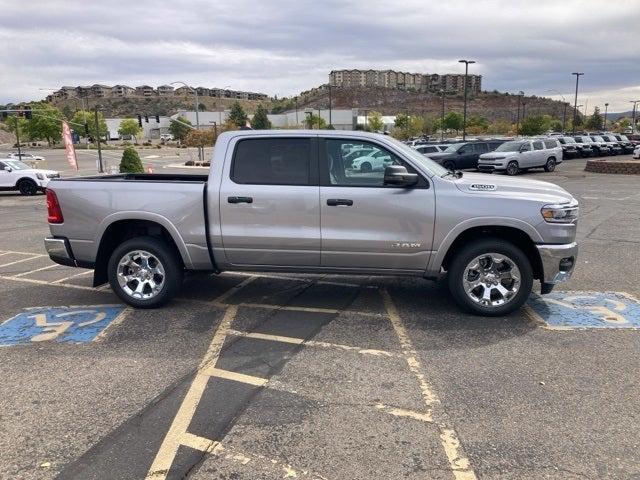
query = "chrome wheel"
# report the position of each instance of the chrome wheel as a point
(512, 168)
(140, 274)
(491, 279)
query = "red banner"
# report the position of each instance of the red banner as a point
(68, 145)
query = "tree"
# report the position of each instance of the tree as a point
(374, 121)
(622, 125)
(595, 121)
(201, 138)
(533, 125)
(19, 124)
(314, 122)
(129, 126)
(407, 126)
(180, 129)
(80, 116)
(238, 115)
(453, 121)
(130, 162)
(502, 127)
(260, 121)
(477, 125)
(45, 123)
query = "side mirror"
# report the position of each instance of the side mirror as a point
(8, 169)
(397, 175)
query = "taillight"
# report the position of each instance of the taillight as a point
(53, 208)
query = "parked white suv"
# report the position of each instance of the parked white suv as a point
(25, 157)
(514, 156)
(15, 175)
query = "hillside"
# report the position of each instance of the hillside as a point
(490, 105)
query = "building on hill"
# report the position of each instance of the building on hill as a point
(145, 91)
(122, 91)
(164, 90)
(420, 82)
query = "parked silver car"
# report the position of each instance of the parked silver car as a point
(516, 155)
(288, 201)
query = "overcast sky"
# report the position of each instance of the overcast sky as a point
(282, 47)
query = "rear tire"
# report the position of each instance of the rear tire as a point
(550, 166)
(27, 187)
(512, 168)
(520, 268)
(144, 272)
(366, 167)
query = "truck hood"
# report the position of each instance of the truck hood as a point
(38, 170)
(478, 183)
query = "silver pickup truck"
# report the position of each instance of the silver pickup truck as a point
(296, 201)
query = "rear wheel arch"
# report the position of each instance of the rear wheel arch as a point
(119, 232)
(513, 235)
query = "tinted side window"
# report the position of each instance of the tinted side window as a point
(550, 143)
(494, 145)
(274, 161)
(480, 148)
(537, 145)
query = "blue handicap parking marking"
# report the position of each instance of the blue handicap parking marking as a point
(569, 310)
(76, 324)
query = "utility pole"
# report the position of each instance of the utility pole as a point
(464, 117)
(564, 116)
(296, 100)
(18, 138)
(575, 101)
(520, 95)
(330, 123)
(606, 107)
(100, 168)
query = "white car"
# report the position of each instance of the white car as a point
(427, 149)
(517, 155)
(15, 175)
(636, 152)
(25, 157)
(376, 160)
(167, 137)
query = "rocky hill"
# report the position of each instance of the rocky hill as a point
(490, 105)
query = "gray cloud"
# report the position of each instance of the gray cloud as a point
(282, 47)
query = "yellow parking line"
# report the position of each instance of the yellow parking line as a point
(198, 443)
(236, 377)
(458, 462)
(297, 279)
(169, 448)
(271, 306)
(401, 412)
(234, 289)
(116, 321)
(312, 343)
(34, 271)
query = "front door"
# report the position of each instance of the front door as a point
(366, 224)
(269, 207)
(7, 178)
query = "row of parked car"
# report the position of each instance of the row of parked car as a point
(512, 156)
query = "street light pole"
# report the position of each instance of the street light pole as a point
(464, 116)
(330, 123)
(100, 168)
(520, 95)
(606, 107)
(297, 123)
(575, 101)
(442, 118)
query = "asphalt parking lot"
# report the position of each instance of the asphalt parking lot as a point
(322, 377)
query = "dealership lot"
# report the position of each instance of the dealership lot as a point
(286, 376)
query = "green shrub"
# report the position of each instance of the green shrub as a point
(130, 162)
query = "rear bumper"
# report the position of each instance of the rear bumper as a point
(59, 251)
(558, 262)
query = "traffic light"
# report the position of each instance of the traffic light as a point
(140, 121)
(157, 118)
(146, 119)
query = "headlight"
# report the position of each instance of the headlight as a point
(53, 175)
(40, 176)
(560, 213)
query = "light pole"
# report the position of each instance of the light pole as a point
(100, 168)
(633, 115)
(197, 115)
(442, 118)
(330, 123)
(606, 107)
(575, 101)
(464, 116)
(296, 100)
(520, 95)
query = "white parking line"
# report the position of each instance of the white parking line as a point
(34, 271)
(61, 280)
(20, 261)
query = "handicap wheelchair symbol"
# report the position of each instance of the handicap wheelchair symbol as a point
(75, 324)
(569, 310)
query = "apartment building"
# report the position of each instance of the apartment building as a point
(164, 90)
(122, 91)
(404, 80)
(118, 91)
(145, 91)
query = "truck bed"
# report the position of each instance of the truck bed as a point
(143, 177)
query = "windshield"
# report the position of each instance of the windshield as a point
(453, 148)
(624, 138)
(509, 147)
(419, 158)
(567, 140)
(597, 138)
(16, 164)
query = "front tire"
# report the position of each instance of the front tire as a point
(144, 272)
(512, 168)
(490, 277)
(366, 167)
(27, 187)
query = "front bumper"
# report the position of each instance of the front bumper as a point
(59, 251)
(558, 262)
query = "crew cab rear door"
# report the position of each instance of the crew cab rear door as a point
(366, 224)
(269, 206)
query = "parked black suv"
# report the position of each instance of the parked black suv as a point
(585, 145)
(465, 155)
(625, 143)
(569, 147)
(613, 144)
(600, 147)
